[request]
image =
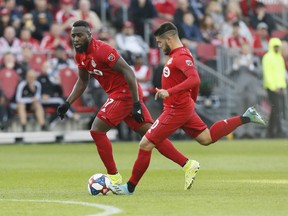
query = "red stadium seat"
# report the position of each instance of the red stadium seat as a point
(37, 61)
(206, 52)
(9, 80)
(68, 78)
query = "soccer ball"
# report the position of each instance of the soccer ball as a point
(98, 184)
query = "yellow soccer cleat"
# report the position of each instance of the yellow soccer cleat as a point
(115, 178)
(191, 168)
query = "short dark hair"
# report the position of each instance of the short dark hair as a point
(164, 28)
(81, 23)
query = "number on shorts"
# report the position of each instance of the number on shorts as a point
(153, 126)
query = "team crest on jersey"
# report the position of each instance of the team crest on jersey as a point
(111, 57)
(189, 62)
(169, 61)
(93, 63)
(82, 63)
(166, 72)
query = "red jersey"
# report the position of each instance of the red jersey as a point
(180, 78)
(98, 61)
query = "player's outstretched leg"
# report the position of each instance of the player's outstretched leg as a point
(115, 178)
(191, 168)
(254, 116)
(119, 189)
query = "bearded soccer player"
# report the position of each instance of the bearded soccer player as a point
(99, 60)
(180, 83)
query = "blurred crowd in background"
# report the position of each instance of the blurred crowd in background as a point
(37, 69)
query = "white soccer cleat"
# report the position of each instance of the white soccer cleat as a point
(119, 189)
(254, 116)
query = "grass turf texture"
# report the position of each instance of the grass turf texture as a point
(247, 177)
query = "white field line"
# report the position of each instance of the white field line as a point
(108, 210)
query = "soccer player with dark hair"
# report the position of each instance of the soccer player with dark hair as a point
(180, 85)
(102, 62)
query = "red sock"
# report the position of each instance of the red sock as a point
(140, 166)
(104, 148)
(167, 149)
(224, 127)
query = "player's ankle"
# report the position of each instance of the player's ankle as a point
(131, 187)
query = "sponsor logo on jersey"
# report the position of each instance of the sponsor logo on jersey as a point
(111, 57)
(189, 62)
(93, 63)
(169, 61)
(166, 71)
(96, 72)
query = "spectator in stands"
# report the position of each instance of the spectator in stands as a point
(246, 74)
(24, 65)
(60, 59)
(262, 16)
(199, 9)
(182, 7)
(42, 19)
(261, 40)
(274, 80)
(143, 75)
(66, 15)
(105, 35)
(85, 13)
(9, 62)
(28, 98)
(214, 8)
(27, 23)
(15, 14)
(189, 32)
(209, 33)
(227, 27)
(54, 39)
(139, 12)
(26, 40)
(4, 20)
(235, 40)
(10, 43)
(129, 43)
(165, 9)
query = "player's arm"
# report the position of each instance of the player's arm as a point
(77, 91)
(79, 86)
(122, 67)
(191, 82)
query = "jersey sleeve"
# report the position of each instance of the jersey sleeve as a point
(185, 64)
(109, 55)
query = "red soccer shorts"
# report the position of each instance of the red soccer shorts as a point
(171, 120)
(116, 110)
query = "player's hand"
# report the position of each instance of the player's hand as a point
(137, 112)
(161, 93)
(62, 109)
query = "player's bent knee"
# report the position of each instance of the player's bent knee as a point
(145, 144)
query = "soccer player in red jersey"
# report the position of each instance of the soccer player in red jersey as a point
(102, 62)
(180, 85)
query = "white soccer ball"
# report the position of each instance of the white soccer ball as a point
(98, 184)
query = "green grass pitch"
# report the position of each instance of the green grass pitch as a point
(240, 177)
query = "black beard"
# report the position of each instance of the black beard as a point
(167, 51)
(83, 48)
